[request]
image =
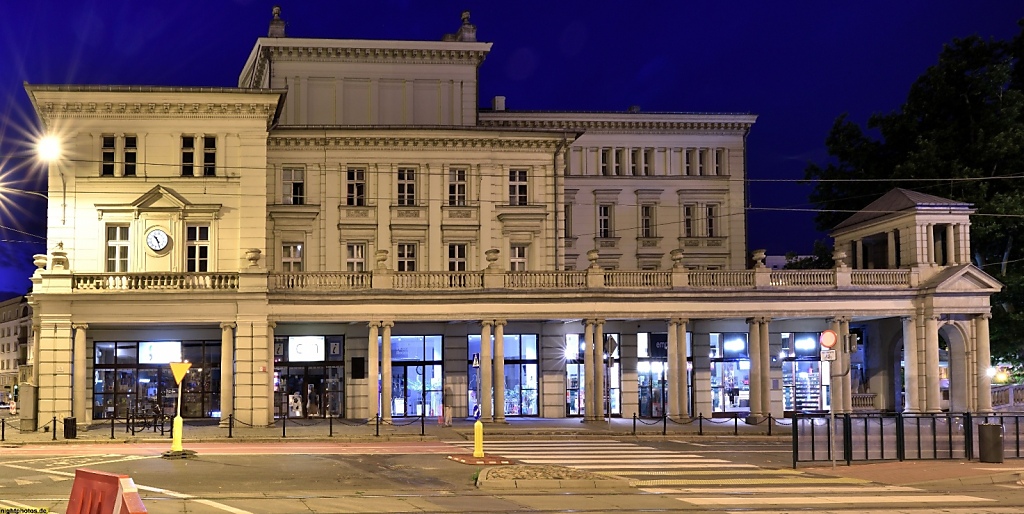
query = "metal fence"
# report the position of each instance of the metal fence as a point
(900, 436)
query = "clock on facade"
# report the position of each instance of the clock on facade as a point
(157, 240)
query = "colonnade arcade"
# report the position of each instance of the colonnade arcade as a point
(693, 366)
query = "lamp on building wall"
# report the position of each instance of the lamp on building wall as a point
(50, 150)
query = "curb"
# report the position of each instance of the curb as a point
(998, 478)
(483, 482)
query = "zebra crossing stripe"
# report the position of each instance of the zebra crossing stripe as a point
(713, 472)
(747, 481)
(839, 500)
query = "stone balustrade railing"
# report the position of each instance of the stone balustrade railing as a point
(595, 278)
(1008, 397)
(863, 401)
(154, 281)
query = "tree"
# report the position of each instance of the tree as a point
(960, 135)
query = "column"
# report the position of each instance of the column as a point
(891, 247)
(81, 394)
(766, 368)
(754, 347)
(673, 407)
(599, 392)
(847, 380)
(910, 366)
(499, 370)
(589, 384)
(859, 249)
(385, 371)
(485, 397)
(930, 247)
(950, 246)
(835, 369)
(373, 371)
(931, 364)
(682, 388)
(227, 375)
(984, 362)
(270, 371)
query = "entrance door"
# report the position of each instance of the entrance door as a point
(303, 391)
(651, 377)
(574, 393)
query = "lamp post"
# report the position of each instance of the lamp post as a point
(49, 150)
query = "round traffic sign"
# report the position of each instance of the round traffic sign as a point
(828, 339)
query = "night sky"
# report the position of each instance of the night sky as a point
(797, 65)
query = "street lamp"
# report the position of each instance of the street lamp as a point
(49, 150)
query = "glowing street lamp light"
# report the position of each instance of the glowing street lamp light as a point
(48, 149)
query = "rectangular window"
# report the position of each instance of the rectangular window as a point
(702, 160)
(406, 186)
(517, 187)
(720, 161)
(355, 257)
(293, 186)
(688, 152)
(604, 221)
(209, 156)
(689, 211)
(356, 180)
(620, 161)
(648, 162)
(568, 220)
(517, 257)
(606, 159)
(130, 155)
(291, 257)
(188, 156)
(457, 257)
(405, 257)
(712, 211)
(647, 221)
(117, 248)
(197, 253)
(107, 167)
(637, 159)
(457, 186)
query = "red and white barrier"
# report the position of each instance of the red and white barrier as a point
(96, 492)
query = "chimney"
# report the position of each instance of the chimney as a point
(498, 103)
(276, 24)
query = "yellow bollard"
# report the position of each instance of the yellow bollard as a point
(478, 439)
(176, 435)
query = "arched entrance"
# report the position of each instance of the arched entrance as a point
(954, 379)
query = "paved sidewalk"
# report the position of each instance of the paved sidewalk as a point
(929, 473)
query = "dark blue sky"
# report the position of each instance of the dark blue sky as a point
(797, 65)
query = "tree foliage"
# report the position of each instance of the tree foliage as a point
(959, 135)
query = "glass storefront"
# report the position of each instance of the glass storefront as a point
(803, 388)
(135, 378)
(309, 376)
(730, 372)
(575, 375)
(416, 381)
(521, 372)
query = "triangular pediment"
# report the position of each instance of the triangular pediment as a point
(159, 199)
(965, 278)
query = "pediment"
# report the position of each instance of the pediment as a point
(965, 278)
(160, 199)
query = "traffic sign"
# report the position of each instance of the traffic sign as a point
(828, 355)
(828, 339)
(476, 360)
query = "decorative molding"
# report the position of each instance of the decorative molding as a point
(410, 142)
(375, 55)
(621, 126)
(133, 110)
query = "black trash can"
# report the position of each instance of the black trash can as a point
(990, 442)
(71, 429)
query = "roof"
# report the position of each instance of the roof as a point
(899, 200)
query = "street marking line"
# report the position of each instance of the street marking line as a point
(574, 460)
(782, 489)
(831, 500)
(641, 468)
(715, 472)
(13, 503)
(747, 481)
(126, 458)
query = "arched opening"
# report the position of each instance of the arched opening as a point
(953, 376)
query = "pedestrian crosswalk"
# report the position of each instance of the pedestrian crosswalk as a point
(714, 482)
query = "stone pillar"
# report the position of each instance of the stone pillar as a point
(754, 347)
(682, 388)
(499, 370)
(933, 396)
(847, 379)
(859, 249)
(271, 325)
(486, 366)
(984, 362)
(227, 372)
(930, 235)
(835, 369)
(673, 407)
(385, 371)
(589, 384)
(373, 371)
(766, 367)
(599, 392)
(79, 407)
(950, 245)
(911, 366)
(891, 247)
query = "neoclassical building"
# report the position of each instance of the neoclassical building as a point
(348, 233)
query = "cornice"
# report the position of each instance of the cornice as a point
(374, 55)
(619, 126)
(411, 143)
(140, 110)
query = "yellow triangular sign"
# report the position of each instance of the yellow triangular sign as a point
(179, 369)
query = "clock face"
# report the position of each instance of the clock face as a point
(157, 240)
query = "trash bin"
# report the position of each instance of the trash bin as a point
(990, 442)
(71, 429)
